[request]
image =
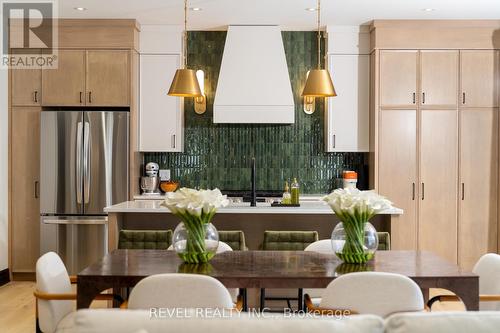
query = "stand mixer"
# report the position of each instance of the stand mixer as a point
(151, 182)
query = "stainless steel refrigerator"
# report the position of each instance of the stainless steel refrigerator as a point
(84, 168)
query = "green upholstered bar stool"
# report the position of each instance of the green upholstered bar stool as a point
(144, 239)
(234, 238)
(384, 241)
(286, 241)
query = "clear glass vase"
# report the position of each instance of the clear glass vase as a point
(197, 244)
(353, 244)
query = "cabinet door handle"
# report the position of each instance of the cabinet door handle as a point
(37, 195)
(333, 141)
(81, 94)
(35, 96)
(173, 141)
(412, 191)
(423, 191)
(90, 96)
(463, 191)
(423, 98)
(463, 98)
(414, 98)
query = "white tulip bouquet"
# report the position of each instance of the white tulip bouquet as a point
(355, 208)
(195, 208)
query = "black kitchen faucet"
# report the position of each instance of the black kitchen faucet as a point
(253, 199)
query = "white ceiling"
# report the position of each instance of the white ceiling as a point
(290, 14)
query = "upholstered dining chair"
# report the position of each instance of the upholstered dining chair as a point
(54, 294)
(488, 269)
(144, 239)
(375, 293)
(285, 241)
(325, 246)
(179, 290)
(223, 247)
(234, 238)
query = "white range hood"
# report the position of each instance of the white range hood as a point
(254, 85)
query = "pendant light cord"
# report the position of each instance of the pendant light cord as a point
(319, 35)
(185, 33)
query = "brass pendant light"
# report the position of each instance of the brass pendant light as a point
(318, 82)
(185, 83)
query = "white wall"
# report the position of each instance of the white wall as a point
(4, 130)
(348, 39)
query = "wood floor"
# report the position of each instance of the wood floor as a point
(17, 307)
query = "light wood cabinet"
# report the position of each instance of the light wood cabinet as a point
(91, 78)
(398, 78)
(479, 78)
(65, 86)
(456, 77)
(438, 78)
(398, 172)
(438, 182)
(478, 185)
(346, 117)
(26, 86)
(160, 116)
(107, 78)
(25, 208)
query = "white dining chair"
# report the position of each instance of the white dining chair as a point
(223, 247)
(54, 295)
(488, 270)
(52, 278)
(180, 290)
(321, 246)
(375, 293)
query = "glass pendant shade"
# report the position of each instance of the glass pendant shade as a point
(185, 84)
(319, 84)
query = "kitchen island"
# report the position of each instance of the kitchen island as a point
(253, 221)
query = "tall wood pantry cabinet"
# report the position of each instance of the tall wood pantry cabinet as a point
(437, 149)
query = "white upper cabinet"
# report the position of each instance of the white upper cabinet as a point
(347, 115)
(161, 117)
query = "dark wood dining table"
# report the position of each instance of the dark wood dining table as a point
(274, 269)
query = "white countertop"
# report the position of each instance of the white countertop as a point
(154, 206)
(161, 196)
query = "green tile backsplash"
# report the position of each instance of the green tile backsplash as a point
(218, 155)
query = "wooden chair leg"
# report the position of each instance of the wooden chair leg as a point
(244, 294)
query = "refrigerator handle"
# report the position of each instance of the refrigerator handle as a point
(86, 162)
(79, 163)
